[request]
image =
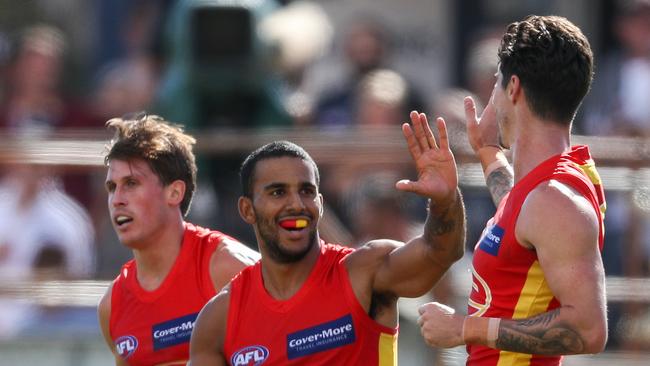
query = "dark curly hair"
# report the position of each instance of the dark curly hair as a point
(553, 61)
(163, 145)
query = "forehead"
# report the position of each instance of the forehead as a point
(118, 169)
(283, 170)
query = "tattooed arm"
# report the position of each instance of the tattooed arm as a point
(483, 137)
(411, 269)
(562, 227)
(499, 176)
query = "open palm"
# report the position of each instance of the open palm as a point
(437, 174)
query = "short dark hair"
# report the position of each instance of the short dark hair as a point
(163, 145)
(275, 149)
(554, 62)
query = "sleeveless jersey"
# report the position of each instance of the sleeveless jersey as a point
(322, 324)
(507, 280)
(154, 327)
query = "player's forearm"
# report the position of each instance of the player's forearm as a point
(544, 334)
(499, 176)
(444, 229)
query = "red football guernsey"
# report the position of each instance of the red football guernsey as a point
(507, 280)
(322, 324)
(154, 327)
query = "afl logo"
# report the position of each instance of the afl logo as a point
(250, 356)
(126, 345)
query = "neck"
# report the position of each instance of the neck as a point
(155, 261)
(535, 141)
(283, 280)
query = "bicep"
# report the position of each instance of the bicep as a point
(208, 335)
(409, 270)
(564, 229)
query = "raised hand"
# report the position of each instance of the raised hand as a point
(481, 131)
(435, 164)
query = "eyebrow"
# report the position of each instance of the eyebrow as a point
(277, 185)
(274, 185)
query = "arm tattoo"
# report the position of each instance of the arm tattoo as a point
(539, 335)
(499, 182)
(448, 221)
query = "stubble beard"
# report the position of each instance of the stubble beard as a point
(275, 249)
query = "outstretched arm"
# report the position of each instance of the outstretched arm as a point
(483, 137)
(412, 269)
(570, 260)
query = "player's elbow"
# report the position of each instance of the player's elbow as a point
(596, 338)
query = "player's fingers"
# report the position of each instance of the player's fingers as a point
(470, 111)
(442, 131)
(431, 140)
(418, 129)
(411, 142)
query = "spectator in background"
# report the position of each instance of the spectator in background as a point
(302, 32)
(619, 102)
(377, 210)
(380, 101)
(367, 49)
(619, 105)
(44, 234)
(35, 103)
(34, 99)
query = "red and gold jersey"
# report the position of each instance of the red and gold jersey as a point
(154, 327)
(322, 324)
(507, 280)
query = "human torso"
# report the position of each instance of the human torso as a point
(154, 327)
(507, 279)
(322, 324)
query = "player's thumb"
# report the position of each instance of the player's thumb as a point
(406, 186)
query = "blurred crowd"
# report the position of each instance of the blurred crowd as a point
(266, 64)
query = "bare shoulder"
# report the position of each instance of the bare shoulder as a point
(216, 309)
(229, 258)
(231, 250)
(556, 209)
(104, 306)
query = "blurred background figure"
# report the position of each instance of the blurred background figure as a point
(619, 105)
(366, 49)
(619, 102)
(34, 100)
(44, 235)
(377, 210)
(301, 32)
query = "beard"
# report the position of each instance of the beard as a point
(269, 235)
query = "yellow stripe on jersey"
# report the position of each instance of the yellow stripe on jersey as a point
(590, 169)
(534, 299)
(387, 349)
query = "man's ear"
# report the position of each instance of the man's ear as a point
(176, 192)
(514, 89)
(246, 210)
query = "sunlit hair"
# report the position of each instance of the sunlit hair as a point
(554, 62)
(276, 149)
(163, 145)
